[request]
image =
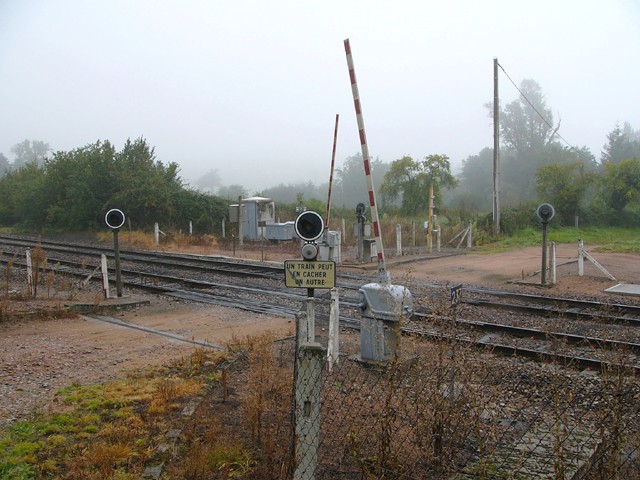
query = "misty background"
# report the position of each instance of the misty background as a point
(244, 94)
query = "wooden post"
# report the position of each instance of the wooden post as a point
(496, 150)
(430, 224)
(413, 233)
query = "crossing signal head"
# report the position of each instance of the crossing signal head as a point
(114, 219)
(309, 226)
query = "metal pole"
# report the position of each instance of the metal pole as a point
(116, 254)
(333, 162)
(240, 236)
(383, 275)
(543, 271)
(496, 151)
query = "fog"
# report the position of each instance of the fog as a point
(251, 88)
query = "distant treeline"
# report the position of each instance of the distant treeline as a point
(72, 191)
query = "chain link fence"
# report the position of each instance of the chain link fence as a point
(447, 412)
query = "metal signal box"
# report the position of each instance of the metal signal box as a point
(383, 307)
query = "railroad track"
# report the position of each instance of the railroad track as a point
(171, 274)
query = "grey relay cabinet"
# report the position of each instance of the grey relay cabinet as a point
(383, 307)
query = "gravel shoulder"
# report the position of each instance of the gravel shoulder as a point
(40, 355)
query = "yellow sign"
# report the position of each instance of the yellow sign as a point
(309, 274)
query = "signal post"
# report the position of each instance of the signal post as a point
(308, 273)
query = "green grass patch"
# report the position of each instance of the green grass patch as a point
(101, 431)
(601, 239)
(107, 430)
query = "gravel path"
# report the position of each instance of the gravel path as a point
(39, 356)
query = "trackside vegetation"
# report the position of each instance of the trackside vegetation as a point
(71, 191)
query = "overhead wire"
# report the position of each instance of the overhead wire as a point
(534, 108)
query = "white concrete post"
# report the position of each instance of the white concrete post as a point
(580, 257)
(333, 347)
(398, 240)
(30, 274)
(311, 320)
(469, 236)
(190, 227)
(344, 231)
(308, 386)
(552, 262)
(439, 237)
(156, 233)
(105, 276)
(224, 228)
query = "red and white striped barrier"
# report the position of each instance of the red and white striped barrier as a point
(382, 268)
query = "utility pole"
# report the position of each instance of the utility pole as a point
(496, 151)
(430, 223)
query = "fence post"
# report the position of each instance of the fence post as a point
(224, 228)
(580, 258)
(398, 240)
(413, 233)
(552, 262)
(333, 346)
(32, 289)
(469, 236)
(105, 275)
(307, 412)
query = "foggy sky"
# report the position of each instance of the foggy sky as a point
(251, 88)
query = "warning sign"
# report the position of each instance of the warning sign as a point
(309, 274)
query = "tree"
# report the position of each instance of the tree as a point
(21, 193)
(410, 180)
(475, 182)
(146, 185)
(232, 192)
(621, 145)
(350, 183)
(209, 181)
(5, 166)
(564, 186)
(29, 151)
(620, 187)
(526, 124)
(288, 193)
(78, 185)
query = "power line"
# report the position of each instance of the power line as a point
(535, 109)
